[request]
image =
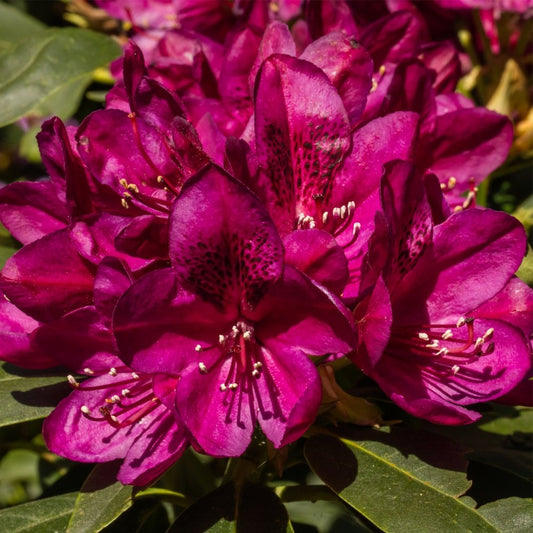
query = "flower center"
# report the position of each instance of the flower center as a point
(336, 221)
(239, 345)
(443, 348)
(130, 398)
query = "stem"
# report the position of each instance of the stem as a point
(305, 493)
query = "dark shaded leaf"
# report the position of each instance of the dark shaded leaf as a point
(260, 511)
(339, 473)
(215, 510)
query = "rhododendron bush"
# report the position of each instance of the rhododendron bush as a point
(265, 265)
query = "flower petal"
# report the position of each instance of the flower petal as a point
(48, 278)
(223, 244)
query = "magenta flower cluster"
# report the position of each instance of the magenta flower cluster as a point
(257, 199)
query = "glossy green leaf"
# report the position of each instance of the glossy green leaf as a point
(48, 514)
(510, 514)
(15, 26)
(100, 501)
(508, 420)
(404, 480)
(48, 73)
(29, 395)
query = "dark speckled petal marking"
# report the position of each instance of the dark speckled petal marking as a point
(223, 244)
(302, 133)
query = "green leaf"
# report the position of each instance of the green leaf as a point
(404, 480)
(511, 514)
(48, 514)
(15, 26)
(28, 395)
(8, 246)
(507, 420)
(48, 73)
(100, 501)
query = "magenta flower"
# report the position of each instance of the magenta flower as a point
(119, 414)
(234, 324)
(116, 413)
(424, 336)
(313, 172)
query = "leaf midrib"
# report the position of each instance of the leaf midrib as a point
(350, 443)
